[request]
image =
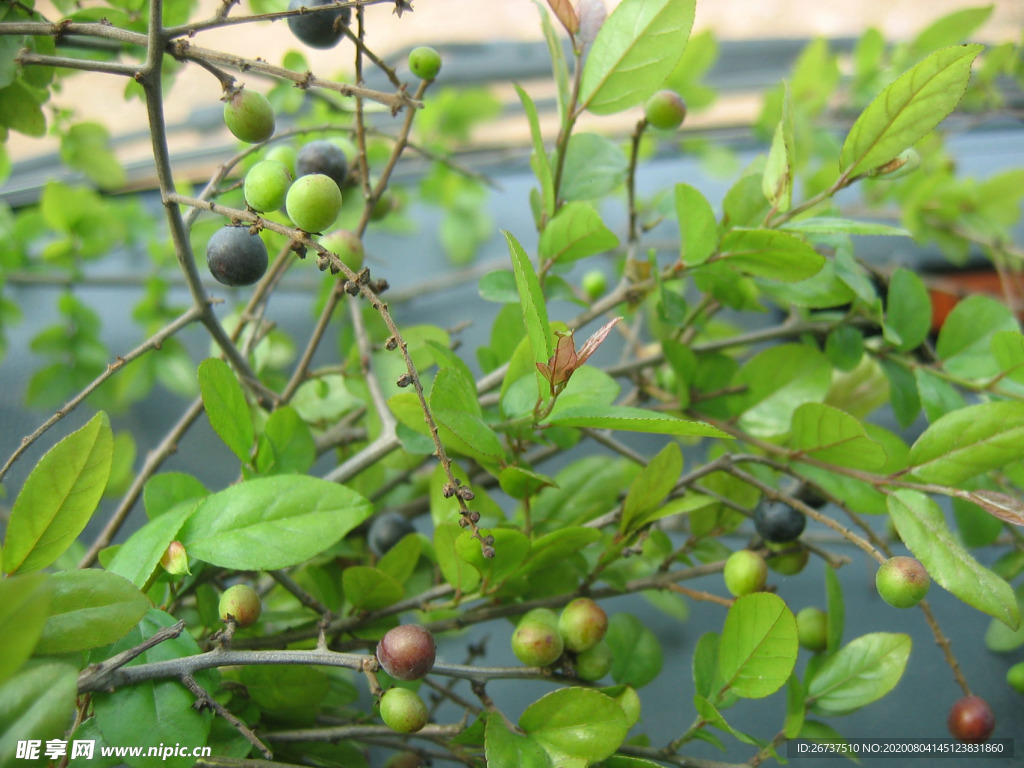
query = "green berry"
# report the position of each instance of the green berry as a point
(249, 116)
(346, 246)
(594, 284)
(582, 624)
(425, 62)
(1015, 677)
(902, 582)
(403, 710)
(665, 110)
(594, 663)
(313, 202)
(266, 185)
(790, 560)
(812, 629)
(536, 643)
(745, 572)
(284, 154)
(240, 603)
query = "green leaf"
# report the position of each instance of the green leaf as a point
(629, 419)
(225, 405)
(139, 557)
(1008, 350)
(558, 546)
(835, 609)
(828, 225)
(830, 435)
(861, 672)
(89, 609)
(637, 48)
(272, 522)
(903, 395)
(594, 166)
(286, 444)
(576, 723)
(796, 708)
(289, 693)
(21, 109)
(531, 298)
(636, 653)
(907, 109)
(758, 647)
(24, 606)
(539, 161)
(965, 341)
(705, 665)
(949, 29)
(400, 561)
(499, 286)
(652, 485)
(506, 749)
(86, 148)
(37, 703)
(165, 491)
(367, 589)
(777, 381)
(576, 232)
(161, 711)
(456, 571)
(710, 714)
(908, 315)
(59, 497)
(777, 182)
(698, 230)
(922, 526)
(968, 442)
(511, 548)
(770, 254)
(999, 638)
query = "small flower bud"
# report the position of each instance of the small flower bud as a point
(175, 559)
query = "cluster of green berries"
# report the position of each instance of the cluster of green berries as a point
(542, 637)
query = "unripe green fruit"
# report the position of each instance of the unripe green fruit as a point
(347, 246)
(266, 185)
(1015, 677)
(745, 572)
(790, 561)
(284, 154)
(665, 110)
(971, 720)
(236, 256)
(385, 204)
(313, 202)
(249, 116)
(594, 663)
(582, 624)
(536, 643)
(902, 582)
(425, 62)
(594, 284)
(241, 603)
(812, 629)
(546, 615)
(403, 710)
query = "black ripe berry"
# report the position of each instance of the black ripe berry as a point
(235, 256)
(324, 157)
(387, 530)
(406, 652)
(321, 28)
(778, 523)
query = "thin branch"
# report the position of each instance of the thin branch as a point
(85, 65)
(204, 699)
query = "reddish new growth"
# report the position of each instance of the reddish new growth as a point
(560, 367)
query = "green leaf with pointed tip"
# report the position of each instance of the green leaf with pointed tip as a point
(709, 714)
(367, 589)
(576, 723)
(968, 442)
(272, 522)
(758, 646)
(637, 48)
(140, 555)
(776, 382)
(922, 526)
(907, 109)
(698, 230)
(59, 497)
(90, 608)
(828, 225)
(286, 444)
(833, 436)
(908, 310)
(506, 749)
(769, 253)
(576, 232)
(835, 610)
(225, 406)
(37, 703)
(629, 419)
(594, 166)
(400, 561)
(777, 183)
(557, 546)
(861, 672)
(539, 162)
(649, 489)
(531, 298)
(24, 606)
(965, 342)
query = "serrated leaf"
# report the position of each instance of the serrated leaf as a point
(629, 419)
(861, 672)
(698, 230)
(59, 497)
(758, 646)
(637, 48)
(907, 109)
(225, 406)
(922, 526)
(367, 589)
(968, 442)
(769, 253)
(531, 299)
(576, 232)
(272, 522)
(578, 723)
(1001, 505)
(777, 182)
(830, 435)
(24, 606)
(88, 609)
(540, 162)
(652, 485)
